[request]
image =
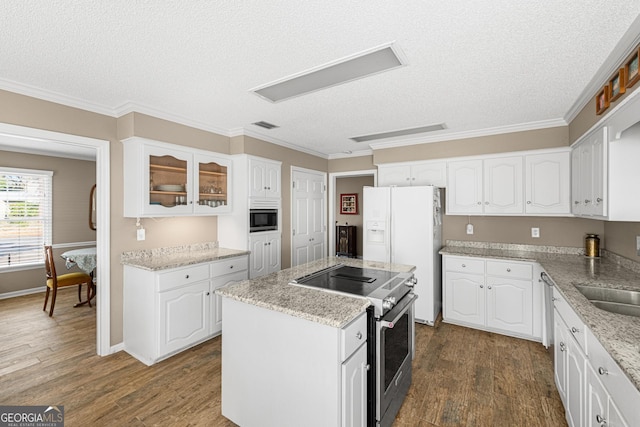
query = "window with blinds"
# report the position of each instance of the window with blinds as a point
(25, 217)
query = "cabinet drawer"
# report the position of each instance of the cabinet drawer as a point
(621, 389)
(228, 266)
(509, 269)
(182, 276)
(464, 265)
(353, 336)
(575, 325)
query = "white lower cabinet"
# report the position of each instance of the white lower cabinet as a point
(170, 310)
(265, 253)
(499, 296)
(282, 370)
(593, 388)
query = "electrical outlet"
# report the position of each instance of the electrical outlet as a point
(469, 228)
(535, 232)
(140, 234)
(638, 245)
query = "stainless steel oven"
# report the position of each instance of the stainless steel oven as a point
(394, 353)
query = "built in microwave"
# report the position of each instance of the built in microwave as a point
(263, 220)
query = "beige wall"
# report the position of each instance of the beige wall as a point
(351, 164)
(621, 238)
(352, 185)
(515, 141)
(72, 182)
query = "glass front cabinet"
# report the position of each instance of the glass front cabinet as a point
(167, 180)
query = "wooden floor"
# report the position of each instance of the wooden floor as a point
(462, 377)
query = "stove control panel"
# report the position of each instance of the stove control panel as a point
(388, 303)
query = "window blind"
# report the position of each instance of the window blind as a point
(25, 216)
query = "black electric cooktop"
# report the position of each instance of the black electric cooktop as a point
(350, 280)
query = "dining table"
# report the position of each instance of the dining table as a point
(86, 260)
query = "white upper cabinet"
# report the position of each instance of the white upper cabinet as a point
(264, 178)
(547, 188)
(464, 187)
(170, 180)
(604, 163)
(503, 185)
(418, 173)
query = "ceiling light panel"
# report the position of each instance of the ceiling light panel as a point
(398, 133)
(363, 64)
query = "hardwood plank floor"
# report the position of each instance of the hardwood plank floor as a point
(462, 377)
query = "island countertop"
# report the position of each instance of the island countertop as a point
(275, 293)
(618, 334)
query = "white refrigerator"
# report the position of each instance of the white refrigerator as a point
(403, 225)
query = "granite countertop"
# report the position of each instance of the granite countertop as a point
(177, 256)
(618, 334)
(275, 293)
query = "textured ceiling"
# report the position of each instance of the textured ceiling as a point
(471, 65)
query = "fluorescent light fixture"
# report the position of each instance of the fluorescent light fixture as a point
(397, 133)
(265, 125)
(363, 64)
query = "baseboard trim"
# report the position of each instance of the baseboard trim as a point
(21, 292)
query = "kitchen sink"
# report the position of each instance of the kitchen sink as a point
(613, 300)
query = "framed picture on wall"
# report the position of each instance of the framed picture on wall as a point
(631, 70)
(349, 204)
(602, 100)
(616, 85)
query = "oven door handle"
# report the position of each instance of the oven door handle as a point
(398, 311)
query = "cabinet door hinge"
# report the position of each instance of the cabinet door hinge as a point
(294, 232)
(294, 184)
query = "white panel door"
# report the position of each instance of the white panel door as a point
(354, 389)
(184, 317)
(216, 300)
(273, 252)
(576, 185)
(464, 298)
(432, 173)
(510, 305)
(599, 175)
(272, 180)
(547, 183)
(586, 181)
(257, 257)
(464, 187)
(503, 185)
(308, 217)
(394, 175)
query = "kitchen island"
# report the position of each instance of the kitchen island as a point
(292, 355)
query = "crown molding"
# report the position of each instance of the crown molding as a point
(134, 107)
(359, 153)
(615, 60)
(523, 127)
(56, 97)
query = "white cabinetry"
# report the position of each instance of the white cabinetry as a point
(547, 183)
(312, 375)
(169, 310)
(264, 178)
(605, 171)
(265, 253)
(171, 180)
(491, 186)
(413, 173)
(498, 296)
(501, 185)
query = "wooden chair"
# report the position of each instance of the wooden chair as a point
(54, 281)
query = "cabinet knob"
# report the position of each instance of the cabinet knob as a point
(601, 420)
(508, 270)
(562, 346)
(479, 203)
(231, 266)
(586, 201)
(602, 371)
(574, 329)
(486, 203)
(481, 286)
(463, 265)
(528, 202)
(186, 277)
(359, 335)
(208, 293)
(576, 202)
(598, 199)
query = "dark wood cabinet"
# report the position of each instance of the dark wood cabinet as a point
(346, 241)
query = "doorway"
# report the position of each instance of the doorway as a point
(24, 139)
(333, 177)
